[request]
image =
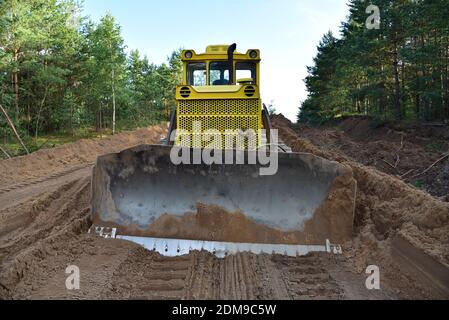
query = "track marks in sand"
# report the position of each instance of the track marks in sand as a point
(42, 179)
(307, 278)
(234, 277)
(248, 276)
(51, 211)
(34, 231)
(146, 275)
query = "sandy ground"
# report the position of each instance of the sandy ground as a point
(45, 216)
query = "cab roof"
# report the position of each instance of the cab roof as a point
(219, 52)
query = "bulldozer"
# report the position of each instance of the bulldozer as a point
(228, 205)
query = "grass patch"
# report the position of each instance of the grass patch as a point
(48, 141)
(434, 147)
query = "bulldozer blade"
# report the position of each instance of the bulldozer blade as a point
(141, 193)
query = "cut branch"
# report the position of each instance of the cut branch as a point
(398, 159)
(13, 128)
(432, 165)
(5, 153)
(385, 161)
(407, 173)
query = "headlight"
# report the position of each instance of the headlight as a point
(189, 54)
(253, 54)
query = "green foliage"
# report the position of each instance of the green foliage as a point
(435, 147)
(399, 71)
(419, 184)
(61, 73)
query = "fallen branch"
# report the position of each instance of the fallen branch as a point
(6, 153)
(385, 161)
(433, 165)
(407, 173)
(398, 159)
(434, 124)
(13, 128)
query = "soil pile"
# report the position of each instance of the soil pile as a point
(82, 152)
(387, 206)
(405, 152)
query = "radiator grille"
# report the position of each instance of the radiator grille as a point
(219, 107)
(221, 115)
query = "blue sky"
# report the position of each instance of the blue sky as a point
(286, 31)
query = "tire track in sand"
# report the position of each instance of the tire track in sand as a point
(146, 275)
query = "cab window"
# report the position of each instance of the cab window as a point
(219, 73)
(196, 74)
(246, 70)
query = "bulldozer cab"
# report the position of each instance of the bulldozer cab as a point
(220, 91)
(220, 65)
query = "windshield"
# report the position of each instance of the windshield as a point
(219, 73)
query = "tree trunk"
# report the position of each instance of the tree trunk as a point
(447, 83)
(15, 58)
(382, 101)
(15, 86)
(442, 111)
(397, 86)
(41, 107)
(101, 126)
(403, 93)
(417, 106)
(423, 86)
(426, 109)
(113, 100)
(357, 106)
(97, 120)
(71, 120)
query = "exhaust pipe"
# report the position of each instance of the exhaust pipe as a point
(231, 51)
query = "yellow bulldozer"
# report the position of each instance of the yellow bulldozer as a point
(203, 187)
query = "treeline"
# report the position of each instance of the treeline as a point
(60, 72)
(396, 72)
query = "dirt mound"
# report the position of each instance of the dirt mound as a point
(406, 152)
(278, 120)
(48, 161)
(359, 127)
(386, 206)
